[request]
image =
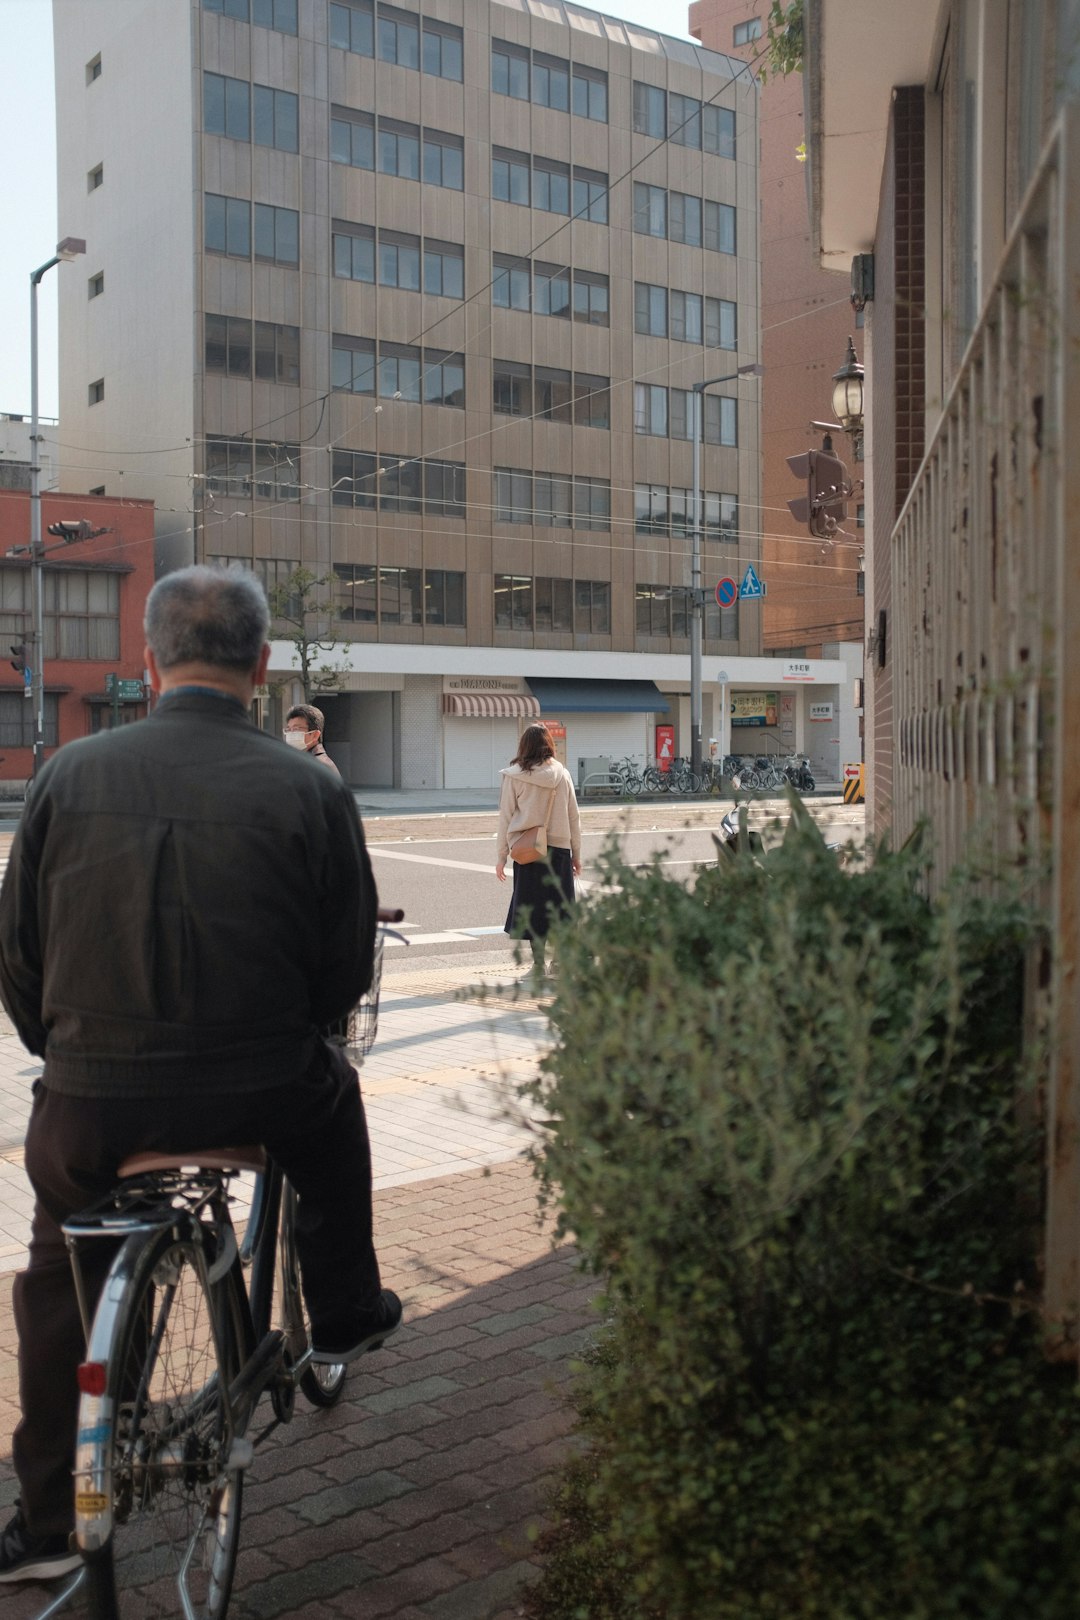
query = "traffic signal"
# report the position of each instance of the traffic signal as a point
(70, 529)
(20, 660)
(824, 506)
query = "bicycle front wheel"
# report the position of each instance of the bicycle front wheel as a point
(158, 1484)
(323, 1384)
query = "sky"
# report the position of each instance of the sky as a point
(31, 229)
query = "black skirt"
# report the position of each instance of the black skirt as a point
(543, 890)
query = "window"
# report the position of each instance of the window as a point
(551, 186)
(720, 227)
(553, 501)
(279, 15)
(509, 70)
(592, 607)
(399, 149)
(435, 487)
(444, 160)
(398, 36)
(721, 324)
(352, 28)
(444, 379)
(357, 588)
(650, 309)
(444, 496)
(96, 285)
(719, 131)
(684, 218)
(96, 391)
(354, 479)
(227, 225)
(400, 596)
(17, 727)
(277, 476)
(277, 234)
(513, 602)
(745, 32)
(513, 495)
(551, 290)
(277, 118)
(442, 49)
(550, 81)
(399, 371)
(553, 604)
(592, 503)
(95, 178)
(650, 112)
(226, 107)
(686, 313)
(591, 196)
(228, 467)
(353, 251)
(82, 613)
(511, 388)
(93, 69)
(99, 489)
(590, 86)
(554, 394)
(511, 282)
(660, 611)
(444, 597)
(721, 420)
(650, 409)
(352, 138)
(650, 209)
(590, 297)
(444, 269)
(229, 349)
(684, 121)
(399, 260)
(651, 509)
(228, 8)
(510, 176)
(720, 517)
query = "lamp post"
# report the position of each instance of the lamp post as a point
(68, 249)
(697, 595)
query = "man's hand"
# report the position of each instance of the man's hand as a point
(500, 871)
(577, 868)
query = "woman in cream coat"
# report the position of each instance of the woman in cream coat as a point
(535, 789)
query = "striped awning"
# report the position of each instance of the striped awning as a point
(492, 705)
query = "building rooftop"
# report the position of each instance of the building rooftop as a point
(601, 26)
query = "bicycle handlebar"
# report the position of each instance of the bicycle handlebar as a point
(387, 914)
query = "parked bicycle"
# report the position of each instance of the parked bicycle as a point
(179, 1354)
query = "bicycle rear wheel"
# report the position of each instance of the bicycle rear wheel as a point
(157, 1486)
(322, 1384)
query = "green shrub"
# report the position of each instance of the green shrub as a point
(786, 1132)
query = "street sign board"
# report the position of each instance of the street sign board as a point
(28, 682)
(751, 589)
(726, 592)
(132, 691)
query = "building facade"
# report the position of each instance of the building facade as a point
(945, 140)
(94, 594)
(415, 302)
(806, 317)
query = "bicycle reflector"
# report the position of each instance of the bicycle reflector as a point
(91, 1377)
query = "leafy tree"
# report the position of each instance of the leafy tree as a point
(301, 611)
(784, 53)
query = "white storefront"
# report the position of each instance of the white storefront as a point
(450, 717)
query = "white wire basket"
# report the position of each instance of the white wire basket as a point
(364, 1019)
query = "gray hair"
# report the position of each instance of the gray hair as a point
(207, 616)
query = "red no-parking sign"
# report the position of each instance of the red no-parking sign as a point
(726, 592)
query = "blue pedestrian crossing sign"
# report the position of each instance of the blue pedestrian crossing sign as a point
(751, 589)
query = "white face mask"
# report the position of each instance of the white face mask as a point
(296, 739)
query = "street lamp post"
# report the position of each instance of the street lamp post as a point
(697, 594)
(68, 249)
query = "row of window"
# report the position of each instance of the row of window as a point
(397, 371)
(685, 317)
(393, 147)
(237, 467)
(548, 81)
(547, 184)
(551, 500)
(369, 593)
(683, 120)
(227, 228)
(664, 610)
(237, 347)
(245, 112)
(660, 510)
(668, 413)
(397, 36)
(551, 394)
(436, 488)
(81, 606)
(396, 259)
(550, 289)
(544, 603)
(277, 14)
(678, 217)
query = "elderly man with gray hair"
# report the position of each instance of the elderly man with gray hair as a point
(187, 905)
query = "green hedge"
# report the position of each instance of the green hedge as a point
(790, 1132)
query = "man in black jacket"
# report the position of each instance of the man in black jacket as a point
(186, 906)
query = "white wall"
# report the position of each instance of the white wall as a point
(475, 750)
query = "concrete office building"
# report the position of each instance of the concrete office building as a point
(414, 296)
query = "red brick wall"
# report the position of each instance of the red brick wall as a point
(128, 543)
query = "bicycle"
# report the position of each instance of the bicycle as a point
(179, 1354)
(628, 772)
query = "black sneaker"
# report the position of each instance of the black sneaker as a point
(24, 1557)
(333, 1348)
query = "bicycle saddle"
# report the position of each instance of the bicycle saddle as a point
(251, 1157)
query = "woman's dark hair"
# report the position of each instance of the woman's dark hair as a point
(535, 747)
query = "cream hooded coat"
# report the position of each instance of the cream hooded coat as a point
(524, 802)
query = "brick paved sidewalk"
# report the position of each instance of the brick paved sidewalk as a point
(414, 1498)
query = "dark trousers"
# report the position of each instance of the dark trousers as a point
(315, 1129)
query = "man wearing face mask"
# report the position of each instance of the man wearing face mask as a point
(304, 726)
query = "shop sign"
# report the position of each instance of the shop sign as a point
(821, 711)
(483, 683)
(753, 708)
(665, 746)
(557, 731)
(797, 670)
